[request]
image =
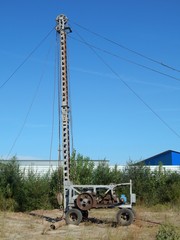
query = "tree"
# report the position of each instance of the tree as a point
(102, 174)
(81, 169)
(116, 175)
(56, 186)
(11, 181)
(36, 190)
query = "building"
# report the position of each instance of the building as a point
(38, 166)
(170, 160)
(166, 158)
(43, 166)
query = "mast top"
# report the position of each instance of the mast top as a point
(61, 21)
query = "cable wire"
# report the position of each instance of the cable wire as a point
(127, 60)
(26, 59)
(128, 49)
(140, 98)
(30, 107)
(60, 166)
(53, 110)
(59, 97)
(70, 108)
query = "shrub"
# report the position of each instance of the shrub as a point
(81, 171)
(167, 232)
(102, 174)
(22, 191)
(11, 180)
(55, 186)
(36, 190)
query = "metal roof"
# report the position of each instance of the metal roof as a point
(166, 158)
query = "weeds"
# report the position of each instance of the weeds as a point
(167, 231)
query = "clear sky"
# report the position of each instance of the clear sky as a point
(124, 106)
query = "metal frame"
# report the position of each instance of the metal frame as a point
(75, 190)
(80, 197)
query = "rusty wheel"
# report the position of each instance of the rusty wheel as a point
(84, 201)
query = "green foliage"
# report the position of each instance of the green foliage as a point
(35, 191)
(102, 174)
(20, 191)
(143, 183)
(10, 184)
(172, 189)
(81, 169)
(56, 186)
(153, 187)
(167, 231)
(116, 175)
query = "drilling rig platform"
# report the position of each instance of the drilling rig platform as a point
(78, 200)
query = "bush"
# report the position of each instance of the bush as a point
(81, 171)
(36, 190)
(167, 232)
(55, 186)
(11, 180)
(22, 191)
(102, 174)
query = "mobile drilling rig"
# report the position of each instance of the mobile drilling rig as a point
(79, 199)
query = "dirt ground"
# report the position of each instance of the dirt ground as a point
(101, 225)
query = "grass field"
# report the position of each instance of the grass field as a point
(101, 225)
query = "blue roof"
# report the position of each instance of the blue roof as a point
(166, 158)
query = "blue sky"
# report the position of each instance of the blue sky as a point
(116, 104)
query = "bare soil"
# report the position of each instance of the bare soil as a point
(101, 225)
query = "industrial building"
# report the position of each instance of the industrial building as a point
(170, 160)
(165, 158)
(43, 166)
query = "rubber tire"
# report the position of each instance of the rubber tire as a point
(124, 217)
(73, 216)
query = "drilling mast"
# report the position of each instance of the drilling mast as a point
(63, 29)
(79, 199)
